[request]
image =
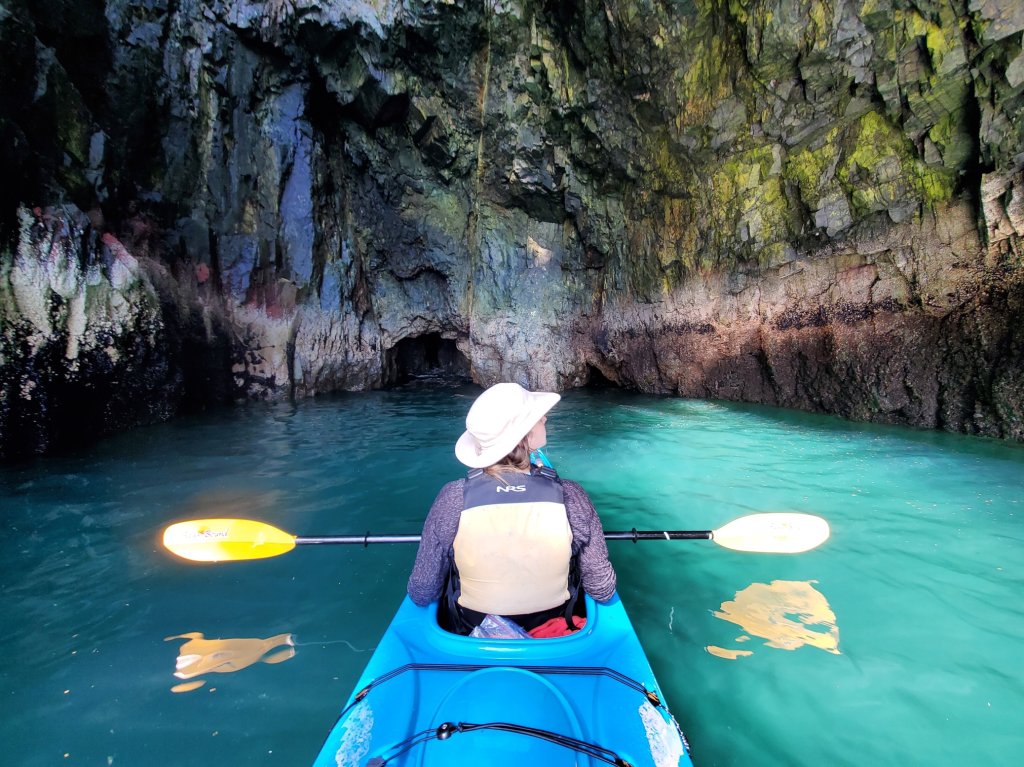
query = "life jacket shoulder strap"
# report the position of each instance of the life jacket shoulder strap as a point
(538, 471)
(544, 471)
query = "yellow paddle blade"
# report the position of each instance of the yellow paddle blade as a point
(218, 540)
(773, 533)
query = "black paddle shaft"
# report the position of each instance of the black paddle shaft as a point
(611, 535)
(654, 535)
(363, 540)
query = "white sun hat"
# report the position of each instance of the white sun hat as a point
(498, 420)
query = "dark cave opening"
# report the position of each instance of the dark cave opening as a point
(598, 380)
(426, 358)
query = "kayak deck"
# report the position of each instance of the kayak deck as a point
(429, 697)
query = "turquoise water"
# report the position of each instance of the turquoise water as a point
(897, 642)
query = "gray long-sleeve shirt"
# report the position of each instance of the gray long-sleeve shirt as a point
(442, 523)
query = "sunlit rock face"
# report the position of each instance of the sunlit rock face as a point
(806, 203)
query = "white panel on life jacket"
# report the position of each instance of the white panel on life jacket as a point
(513, 558)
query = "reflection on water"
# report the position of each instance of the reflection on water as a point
(201, 656)
(789, 614)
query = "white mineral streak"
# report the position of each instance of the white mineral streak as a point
(96, 301)
(25, 276)
(662, 737)
(77, 322)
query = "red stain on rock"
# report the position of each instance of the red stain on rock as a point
(114, 244)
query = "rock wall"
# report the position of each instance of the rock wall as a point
(877, 329)
(811, 203)
(90, 345)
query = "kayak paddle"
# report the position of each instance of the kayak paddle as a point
(219, 540)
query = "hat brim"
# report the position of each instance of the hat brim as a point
(469, 452)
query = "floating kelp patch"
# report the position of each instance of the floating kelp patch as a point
(195, 684)
(789, 614)
(221, 656)
(721, 652)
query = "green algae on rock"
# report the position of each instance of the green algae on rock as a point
(525, 183)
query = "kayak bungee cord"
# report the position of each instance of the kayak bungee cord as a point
(652, 697)
(448, 729)
(406, 745)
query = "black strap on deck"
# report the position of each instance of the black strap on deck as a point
(611, 673)
(448, 729)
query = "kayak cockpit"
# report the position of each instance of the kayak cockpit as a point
(429, 697)
(555, 627)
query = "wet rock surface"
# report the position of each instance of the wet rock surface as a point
(89, 346)
(806, 203)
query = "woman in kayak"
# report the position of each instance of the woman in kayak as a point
(511, 539)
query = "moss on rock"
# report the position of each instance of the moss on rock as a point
(880, 170)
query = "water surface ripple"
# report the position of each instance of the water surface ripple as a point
(898, 642)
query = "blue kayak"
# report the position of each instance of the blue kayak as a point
(429, 697)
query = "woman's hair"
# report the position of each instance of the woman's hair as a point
(517, 460)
